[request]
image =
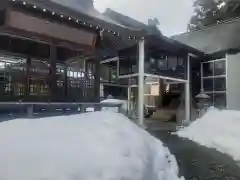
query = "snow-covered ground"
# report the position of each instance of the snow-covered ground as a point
(90, 146)
(219, 129)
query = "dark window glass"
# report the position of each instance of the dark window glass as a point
(208, 84)
(172, 62)
(105, 73)
(134, 69)
(152, 61)
(219, 68)
(220, 100)
(147, 67)
(180, 61)
(220, 84)
(161, 63)
(113, 74)
(124, 70)
(207, 69)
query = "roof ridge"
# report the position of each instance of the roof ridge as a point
(210, 26)
(109, 10)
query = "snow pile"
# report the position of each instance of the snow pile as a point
(90, 146)
(216, 129)
(123, 103)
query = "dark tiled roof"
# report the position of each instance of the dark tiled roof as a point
(90, 15)
(213, 39)
(130, 22)
(154, 37)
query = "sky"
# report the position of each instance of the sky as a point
(173, 15)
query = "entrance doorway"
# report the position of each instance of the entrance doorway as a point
(169, 97)
(170, 102)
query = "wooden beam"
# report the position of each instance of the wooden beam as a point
(26, 22)
(15, 33)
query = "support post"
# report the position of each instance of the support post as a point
(161, 93)
(227, 84)
(52, 78)
(30, 111)
(27, 79)
(97, 74)
(141, 59)
(187, 92)
(118, 68)
(82, 108)
(129, 100)
(66, 88)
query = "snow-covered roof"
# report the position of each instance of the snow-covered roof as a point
(213, 39)
(130, 22)
(154, 36)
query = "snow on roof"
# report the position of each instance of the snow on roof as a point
(217, 129)
(99, 146)
(113, 101)
(213, 39)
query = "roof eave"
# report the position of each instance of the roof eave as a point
(90, 20)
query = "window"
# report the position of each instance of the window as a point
(207, 69)
(220, 100)
(180, 61)
(33, 89)
(208, 84)
(219, 84)
(219, 68)
(214, 81)
(8, 88)
(161, 64)
(152, 61)
(60, 83)
(19, 89)
(172, 62)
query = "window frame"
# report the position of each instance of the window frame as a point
(214, 77)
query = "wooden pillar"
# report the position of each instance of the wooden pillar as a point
(30, 111)
(161, 93)
(52, 77)
(97, 80)
(27, 79)
(97, 84)
(187, 92)
(65, 82)
(141, 59)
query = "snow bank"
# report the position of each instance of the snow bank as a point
(123, 103)
(116, 102)
(90, 146)
(216, 129)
